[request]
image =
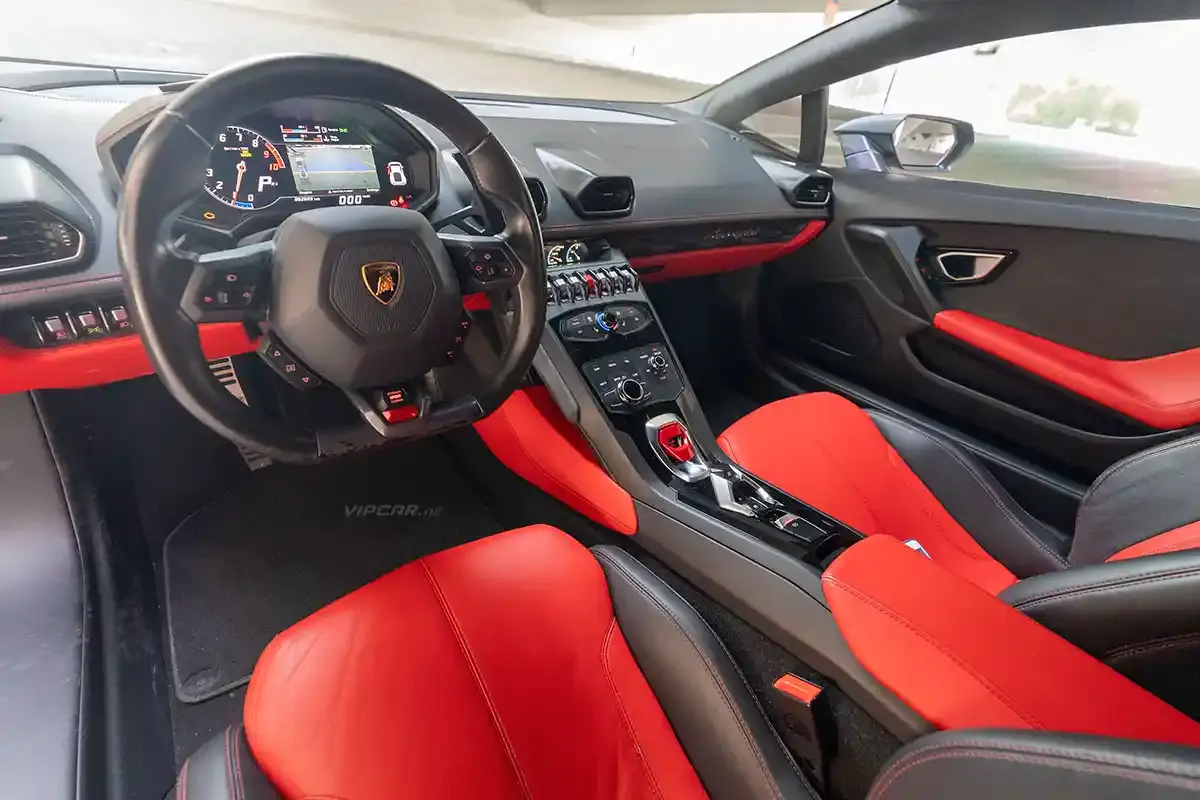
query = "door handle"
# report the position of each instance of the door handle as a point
(969, 266)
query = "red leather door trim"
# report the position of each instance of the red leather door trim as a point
(1163, 392)
(963, 659)
(492, 670)
(531, 437)
(73, 366)
(1186, 537)
(721, 259)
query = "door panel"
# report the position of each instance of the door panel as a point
(1082, 348)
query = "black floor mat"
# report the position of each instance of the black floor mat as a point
(288, 540)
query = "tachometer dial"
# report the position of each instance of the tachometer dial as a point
(576, 253)
(245, 170)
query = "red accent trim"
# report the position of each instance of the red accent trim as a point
(476, 302)
(1163, 392)
(506, 676)
(72, 366)
(963, 659)
(531, 437)
(797, 688)
(401, 414)
(1186, 537)
(826, 451)
(674, 440)
(722, 259)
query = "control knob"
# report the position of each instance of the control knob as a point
(657, 364)
(607, 321)
(631, 392)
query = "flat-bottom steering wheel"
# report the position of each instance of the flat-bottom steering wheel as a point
(317, 272)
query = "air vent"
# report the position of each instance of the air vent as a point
(537, 190)
(32, 237)
(606, 197)
(812, 191)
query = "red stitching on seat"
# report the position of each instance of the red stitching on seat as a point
(612, 684)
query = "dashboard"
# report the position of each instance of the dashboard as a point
(665, 191)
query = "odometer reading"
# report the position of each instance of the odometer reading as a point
(245, 170)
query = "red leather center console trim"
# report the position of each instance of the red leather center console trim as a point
(721, 259)
(492, 670)
(531, 437)
(1186, 537)
(963, 659)
(1163, 392)
(826, 451)
(72, 366)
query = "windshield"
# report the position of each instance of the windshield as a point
(652, 50)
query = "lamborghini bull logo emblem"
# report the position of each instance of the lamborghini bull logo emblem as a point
(382, 279)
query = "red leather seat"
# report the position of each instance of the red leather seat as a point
(512, 667)
(884, 475)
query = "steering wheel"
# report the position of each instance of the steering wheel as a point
(363, 297)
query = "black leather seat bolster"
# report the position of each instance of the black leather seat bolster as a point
(1149, 493)
(722, 728)
(1004, 765)
(1139, 616)
(975, 499)
(224, 769)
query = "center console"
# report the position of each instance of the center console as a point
(606, 323)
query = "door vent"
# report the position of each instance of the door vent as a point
(32, 237)
(537, 190)
(606, 197)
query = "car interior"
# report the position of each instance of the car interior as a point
(605, 450)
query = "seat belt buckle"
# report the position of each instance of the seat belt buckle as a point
(809, 726)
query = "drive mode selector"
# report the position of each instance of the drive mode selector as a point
(631, 391)
(657, 364)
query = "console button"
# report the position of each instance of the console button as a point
(88, 323)
(657, 364)
(54, 329)
(116, 316)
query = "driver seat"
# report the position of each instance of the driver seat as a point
(516, 666)
(525, 666)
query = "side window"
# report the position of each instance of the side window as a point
(1095, 112)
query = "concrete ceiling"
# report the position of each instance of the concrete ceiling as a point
(576, 8)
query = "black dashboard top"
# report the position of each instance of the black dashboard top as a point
(677, 169)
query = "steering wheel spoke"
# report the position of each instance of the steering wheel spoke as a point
(483, 263)
(228, 285)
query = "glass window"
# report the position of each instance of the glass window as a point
(1100, 111)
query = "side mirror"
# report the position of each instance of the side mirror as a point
(886, 142)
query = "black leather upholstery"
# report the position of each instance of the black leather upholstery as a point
(43, 618)
(1146, 494)
(975, 499)
(722, 728)
(1139, 616)
(1028, 765)
(223, 769)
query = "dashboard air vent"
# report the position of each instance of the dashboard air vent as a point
(814, 190)
(32, 237)
(541, 200)
(606, 197)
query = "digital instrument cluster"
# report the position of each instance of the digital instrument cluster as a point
(271, 166)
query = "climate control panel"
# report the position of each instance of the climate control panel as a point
(598, 324)
(633, 379)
